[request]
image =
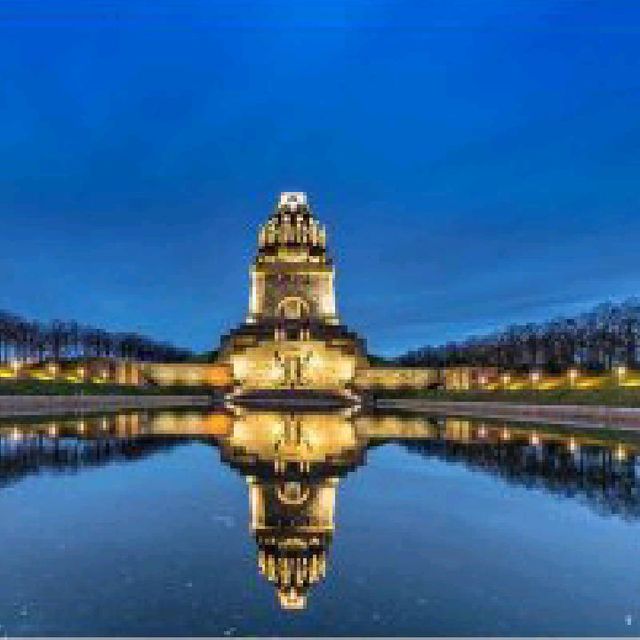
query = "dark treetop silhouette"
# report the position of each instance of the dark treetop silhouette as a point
(608, 335)
(23, 339)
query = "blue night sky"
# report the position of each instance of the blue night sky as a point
(477, 162)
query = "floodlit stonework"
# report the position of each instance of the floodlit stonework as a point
(395, 377)
(292, 337)
(195, 374)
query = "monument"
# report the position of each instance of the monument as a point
(292, 337)
(292, 340)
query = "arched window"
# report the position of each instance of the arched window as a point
(292, 308)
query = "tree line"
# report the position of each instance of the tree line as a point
(26, 340)
(605, 337)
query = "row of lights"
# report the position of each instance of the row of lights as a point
(53, 431)
(620, 452)
(53, 369)
(536, 376)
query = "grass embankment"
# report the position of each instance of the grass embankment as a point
(53, 388)
(605, 396)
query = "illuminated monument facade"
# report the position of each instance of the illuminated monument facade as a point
(292, 337)
(292, 275)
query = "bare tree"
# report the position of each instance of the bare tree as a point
(602, 338)
(22, 339)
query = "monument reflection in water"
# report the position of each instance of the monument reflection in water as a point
(293, 463)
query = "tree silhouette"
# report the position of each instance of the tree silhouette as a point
(26, 340)
(606, 336)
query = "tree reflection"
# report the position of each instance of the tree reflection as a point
(293, 463)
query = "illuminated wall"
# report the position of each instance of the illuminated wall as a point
(395, 377)
(293, 338)
(292, 276)
(282, 364)
(196, 374)
(271, 284)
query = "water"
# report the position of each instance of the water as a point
(337, 524)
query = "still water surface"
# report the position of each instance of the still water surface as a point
(264, 523)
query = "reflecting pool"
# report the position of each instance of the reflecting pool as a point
(237, 522)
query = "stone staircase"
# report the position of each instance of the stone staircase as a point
(294, 398)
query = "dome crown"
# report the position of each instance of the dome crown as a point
(292, 233)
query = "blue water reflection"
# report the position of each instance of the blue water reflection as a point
(316, 524)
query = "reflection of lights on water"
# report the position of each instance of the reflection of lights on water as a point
(52, 431)
(573, 446)
(15, 434)
(620, 453)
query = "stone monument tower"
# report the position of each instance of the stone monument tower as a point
(292, 337)
(292, 277)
